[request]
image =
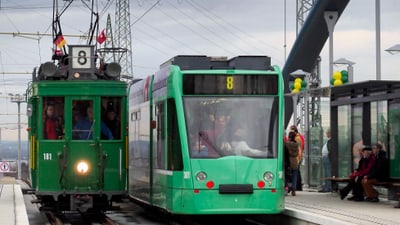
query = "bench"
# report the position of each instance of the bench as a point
(385, 184)
(336, 180)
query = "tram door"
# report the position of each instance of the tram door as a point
(84, 134)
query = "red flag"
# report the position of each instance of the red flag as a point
(60, 41)
(102, 37)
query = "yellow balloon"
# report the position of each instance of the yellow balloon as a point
(297, 85)
(295, 90)
(337, 75)
(297, 80)
(337, 82)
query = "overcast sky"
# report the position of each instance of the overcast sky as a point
(205, 27)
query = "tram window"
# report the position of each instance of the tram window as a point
(175, 158)
(159, 157)
(53, 118)
(82, 120)
(111, 116)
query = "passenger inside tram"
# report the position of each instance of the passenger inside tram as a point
(227, 135)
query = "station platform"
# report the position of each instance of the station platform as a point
(328, 208)
(12, 205)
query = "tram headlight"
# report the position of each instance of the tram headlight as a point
(112, 70)
(268, 177)
(200, 176)
(82, 167)
(47, 69)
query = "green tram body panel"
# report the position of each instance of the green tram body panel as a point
(53, 162)
(206, 201)
(163, 171)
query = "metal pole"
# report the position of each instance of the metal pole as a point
(19, 99)
(378, 38)
(330, 19)
(19, 140)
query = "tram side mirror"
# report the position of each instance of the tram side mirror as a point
(29, 110)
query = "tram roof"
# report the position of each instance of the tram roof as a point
(364, 91)
(198, 62)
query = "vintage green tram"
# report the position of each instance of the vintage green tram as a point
(77, 132)
(206, 136)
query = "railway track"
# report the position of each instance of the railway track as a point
(66, 218)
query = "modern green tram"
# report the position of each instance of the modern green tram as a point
(206, 136)
(78, 158)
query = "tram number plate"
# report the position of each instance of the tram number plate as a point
(47, 156)
(235, 189)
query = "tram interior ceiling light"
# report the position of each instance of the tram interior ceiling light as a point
(394, 49)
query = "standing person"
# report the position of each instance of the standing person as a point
(293, 150)
(379, 172)
(364, 166)
(286, 165)
(51, 124)
(357, 149)
(112, 121)
(300, 140)
(326, 162)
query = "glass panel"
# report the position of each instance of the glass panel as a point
(379, 123)
(394, 144)
(82, 121)
(231, 126)
(111, 117)
(159, 145)
(53, 114)
(317, 139)
(315, 155)
(357, 133)
(175, 160)
(344, 142)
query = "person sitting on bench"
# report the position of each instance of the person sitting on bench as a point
(378, 173)
(364, 166)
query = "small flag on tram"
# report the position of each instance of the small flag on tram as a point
(102, 37)
(60, 41)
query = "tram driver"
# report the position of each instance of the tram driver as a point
(227, 138)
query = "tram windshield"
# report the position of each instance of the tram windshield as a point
(224, 126)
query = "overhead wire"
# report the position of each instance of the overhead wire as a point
(164, 35)
(194, 31)
(211, 32)
(228, 24)
(147, 11)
